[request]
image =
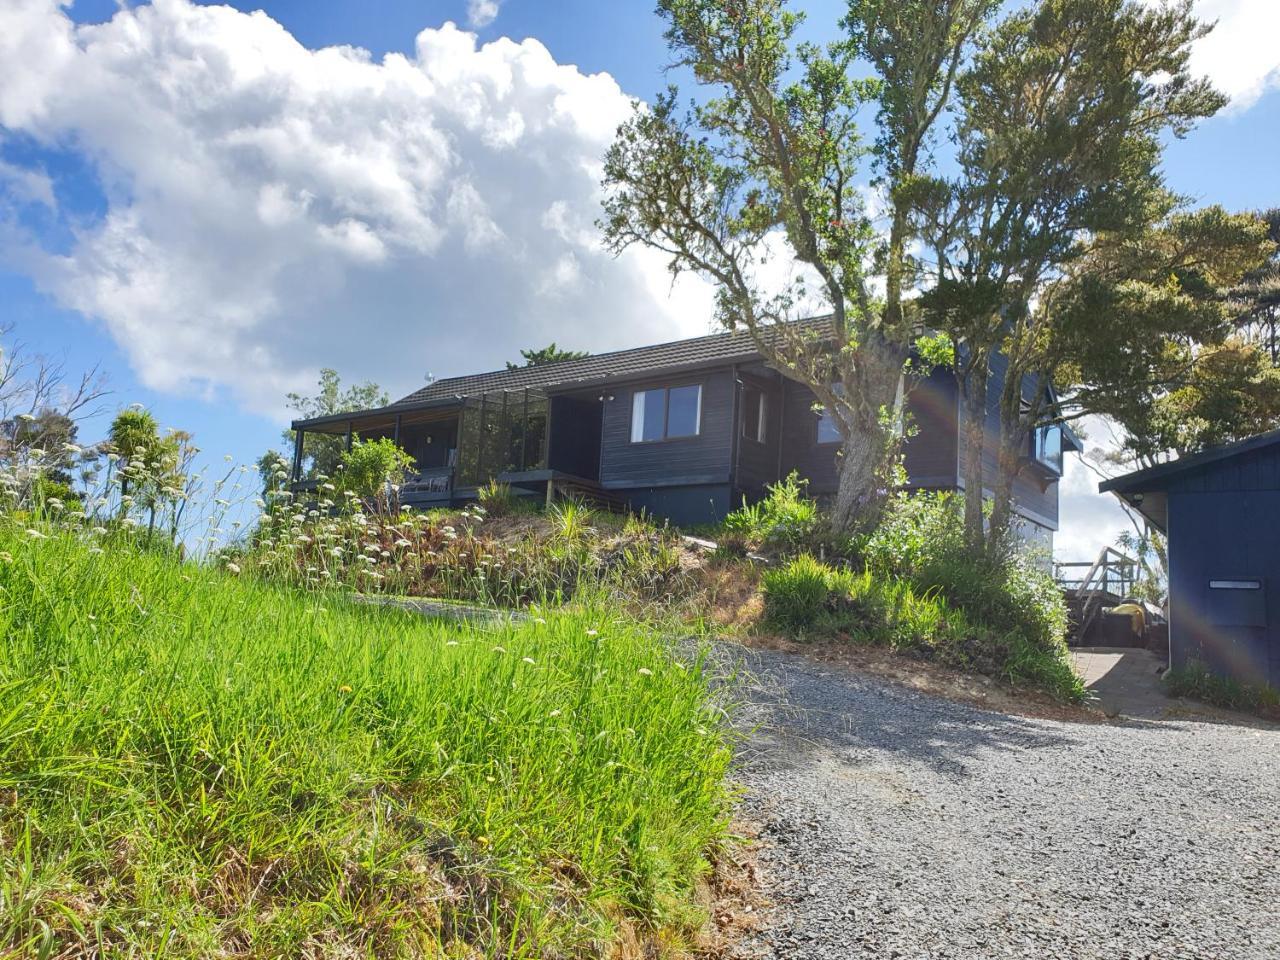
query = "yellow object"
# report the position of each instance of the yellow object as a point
(1137, 616)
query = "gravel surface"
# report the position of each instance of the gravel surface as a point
(898, 825)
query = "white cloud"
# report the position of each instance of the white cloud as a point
(481, 13)
(272, 209)
(1241, 55)
(1088, 520)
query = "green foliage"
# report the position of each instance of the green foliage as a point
(370, 467)
(785, 520)
(1197, 682)
(921, 538)
(219, 763)
(796, 595)
(496, 498)
(548, 354)
(891, 610)
(551, 559)
(323, 451)
(1153, 339)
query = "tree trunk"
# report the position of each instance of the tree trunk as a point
(973, 387)
(858, 496)
(1009, 462)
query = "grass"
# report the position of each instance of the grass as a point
(1196, 682)
(194, 764)
(874, 607)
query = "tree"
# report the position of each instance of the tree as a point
(775, 157)
(1156, 343)
(548, 354)
(1258, 294)
(1150, 337)
(1060, 120)
(323, 452)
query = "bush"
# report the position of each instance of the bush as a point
(1197, 682)
(920, 592)
(371, 467)
(921, 538)
(785, 520)
(496, 498)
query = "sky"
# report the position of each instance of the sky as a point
(211, 203)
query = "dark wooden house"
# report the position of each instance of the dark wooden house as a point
(681, 430)
(1221, 513)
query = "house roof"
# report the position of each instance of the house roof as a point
(716, 348)
(1145, 489)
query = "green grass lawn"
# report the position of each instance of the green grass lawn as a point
(192, 764)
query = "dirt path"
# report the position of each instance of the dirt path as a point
(898, 824)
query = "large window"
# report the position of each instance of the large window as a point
(666, 413)
(755, 414)
(1046, 446)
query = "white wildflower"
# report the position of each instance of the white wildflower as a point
(233, 567)
(645, 672)
(35, 534)
(527, 660)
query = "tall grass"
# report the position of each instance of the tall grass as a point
(193, 764)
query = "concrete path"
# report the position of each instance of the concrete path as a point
(1125, 681)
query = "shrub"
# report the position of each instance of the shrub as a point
(921, 538)
(785, 520)
(496, 498)
(371, 467)
(1197, 682)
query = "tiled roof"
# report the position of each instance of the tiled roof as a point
(725, 347)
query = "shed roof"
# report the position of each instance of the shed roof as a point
(1144, 490)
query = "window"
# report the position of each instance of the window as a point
(666, 413)
(828, 432)
(1047, 446)
(755, 414)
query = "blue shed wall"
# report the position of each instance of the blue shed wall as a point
(1228, 534)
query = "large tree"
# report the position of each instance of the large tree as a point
(323, 452)
(1061, 118)
(772, 158)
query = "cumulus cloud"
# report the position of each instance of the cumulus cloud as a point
(271, 209)
(1089, 520)
(1241, 55)
(481, 13)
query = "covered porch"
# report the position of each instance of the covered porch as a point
(457, 444)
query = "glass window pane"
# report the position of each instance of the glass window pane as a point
(647, 415)
(751, 399)
(827, 430)
(683, 410)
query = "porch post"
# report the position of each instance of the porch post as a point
(395, 432)
(296, 475)
(348, 434)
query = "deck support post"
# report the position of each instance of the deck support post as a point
(551, 491)
(295, 474)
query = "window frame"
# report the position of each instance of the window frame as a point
(666, 413)
(760, 433)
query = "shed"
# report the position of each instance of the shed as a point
(1220, 511)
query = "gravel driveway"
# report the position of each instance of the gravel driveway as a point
(900, 825)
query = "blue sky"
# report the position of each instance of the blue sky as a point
(203, 205)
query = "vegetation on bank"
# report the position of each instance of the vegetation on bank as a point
(1196, 682)
(193, 764)
(912, 585)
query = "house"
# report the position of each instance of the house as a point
(681, 430)
(1220, 511)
